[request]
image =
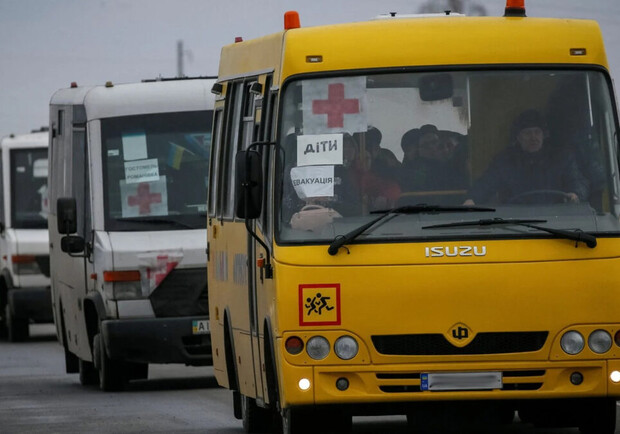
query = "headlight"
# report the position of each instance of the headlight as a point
(127, 290)
(599, 341)
(572, 342)
(346, 347)
(25, 265)
(317, 347)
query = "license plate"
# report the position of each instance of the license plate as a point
(200, 327)
(461, 381)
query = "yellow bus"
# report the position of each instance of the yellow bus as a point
(417, 216)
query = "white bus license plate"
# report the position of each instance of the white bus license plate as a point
(200, 327)
(461, 381)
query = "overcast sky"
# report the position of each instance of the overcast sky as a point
(47, 44)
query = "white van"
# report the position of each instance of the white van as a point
(128, 181)
(24, 254)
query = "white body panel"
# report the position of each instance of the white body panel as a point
(74, 280)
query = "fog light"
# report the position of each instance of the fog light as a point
(304, 384)
(615, 376)
(576, 378)
(342, 384)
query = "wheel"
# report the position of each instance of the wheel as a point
(544, 196)
(17, 327)
(4, 332)
(112, 376)
(88, 373)
(296, 420)
(599, 417)
(255, 419)
(137, 371)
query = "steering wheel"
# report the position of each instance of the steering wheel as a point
(557, 196)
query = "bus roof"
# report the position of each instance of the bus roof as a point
(423, 41)
(30, 140)
(139, 98)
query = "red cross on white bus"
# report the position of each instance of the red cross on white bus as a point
(144, 198)
(335, 106)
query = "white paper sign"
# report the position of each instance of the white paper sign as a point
(39, 168)
(134, 146)
(313, 181)
(332, 105)
(141, 171)
(319, 149)
(144, 198)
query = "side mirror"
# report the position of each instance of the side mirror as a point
(248, 184)
(67, 215)
(72, 244)
(434, 87)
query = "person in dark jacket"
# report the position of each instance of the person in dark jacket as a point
(528, 171)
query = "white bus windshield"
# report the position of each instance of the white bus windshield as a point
(528, 143)
(156, 170)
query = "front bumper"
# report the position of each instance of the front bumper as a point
(31, 303)
(397, 383)
(157, 340)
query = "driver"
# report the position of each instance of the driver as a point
(529, 168)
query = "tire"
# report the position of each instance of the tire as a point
(17, 327)
(255, 419)
(88, 373)
(600, 417)
(295, 420)
(137, 371)
(112, 376)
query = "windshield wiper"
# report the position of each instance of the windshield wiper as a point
(154, 220)
(341, 240)
(576, 235)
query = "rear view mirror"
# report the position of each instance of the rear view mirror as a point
(434, 87)
(248, 184)
(67, 215)
(72, 244)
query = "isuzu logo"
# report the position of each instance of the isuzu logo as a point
(453, 251)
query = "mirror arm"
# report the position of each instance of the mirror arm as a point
(268, 267)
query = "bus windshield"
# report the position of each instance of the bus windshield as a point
(529, 144)
(155, 170)
(29, 204)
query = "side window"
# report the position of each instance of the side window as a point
(61, 119)
(233, 118)
(216, 146)
(79, 180)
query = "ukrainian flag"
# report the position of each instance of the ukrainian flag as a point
(175, 155)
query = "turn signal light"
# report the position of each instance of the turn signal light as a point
(121, 276)
(23, 259)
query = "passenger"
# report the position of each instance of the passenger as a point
(383, 162)
(429, 165)
(530, 170)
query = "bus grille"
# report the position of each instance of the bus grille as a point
(182, 293)
(437, 345)
(410, 382)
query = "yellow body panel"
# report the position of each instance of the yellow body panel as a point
(531, 285)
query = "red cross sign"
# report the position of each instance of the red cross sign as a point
(144, 198)
(334, 105)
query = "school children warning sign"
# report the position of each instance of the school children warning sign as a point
(334, 105)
